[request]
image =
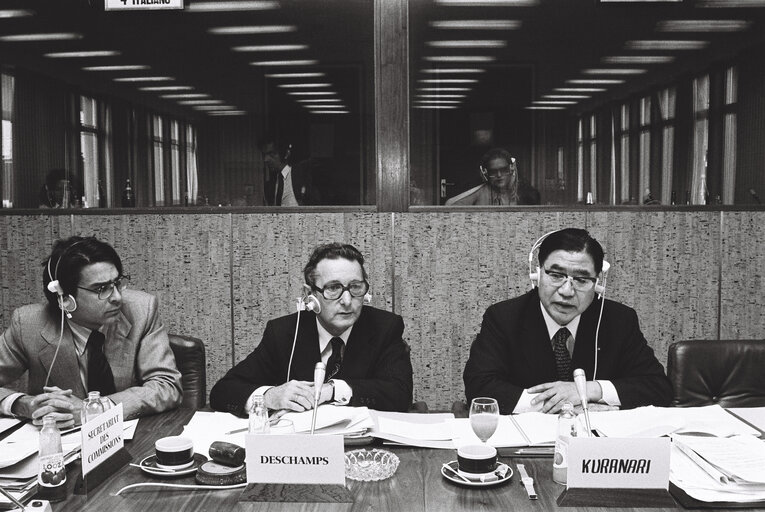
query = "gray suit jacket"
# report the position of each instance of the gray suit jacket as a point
(138, 352)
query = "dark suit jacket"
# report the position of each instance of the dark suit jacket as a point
(375, 364)
(302, 185)
(138, 352)
(512, 352)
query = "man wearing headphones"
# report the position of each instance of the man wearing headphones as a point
(111, 341)
(501, 183)
(286, 183)
(367, 361)
(529, 346)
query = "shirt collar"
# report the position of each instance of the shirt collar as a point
(80, 335)
(286, 171)
(325, 337)
(553, 327)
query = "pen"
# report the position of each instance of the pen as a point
(237, 431)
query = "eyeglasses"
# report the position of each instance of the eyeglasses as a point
(106, 290)
(334, 289)
(578, 283)
(507, 169)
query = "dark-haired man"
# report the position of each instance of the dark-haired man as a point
(112, 341)
(529, 346)
(286, 183)
(367, 360)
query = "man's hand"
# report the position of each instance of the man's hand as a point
(552, 395)
(57, 402)
(295, 395)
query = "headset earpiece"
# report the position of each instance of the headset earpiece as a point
(484, 173)
(534, 276)
(600, 286)
(67, 304)
(367, 298)
(55, 287)
(312, 304)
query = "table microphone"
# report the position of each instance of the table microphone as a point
(318, 380)
(581, 387)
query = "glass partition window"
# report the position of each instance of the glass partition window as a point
(729, 135)
(175, 162)
(699, 189)
(95, 153)
(645, 151)
(158, 159)
(6, 132)
(624, 153)
(667, 105)
(192, 180)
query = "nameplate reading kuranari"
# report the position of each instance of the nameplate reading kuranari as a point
(618, 463)
(101, 438)
(295, 459)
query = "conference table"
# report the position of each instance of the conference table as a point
(417, 485)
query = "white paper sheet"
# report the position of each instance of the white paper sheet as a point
(743, 457)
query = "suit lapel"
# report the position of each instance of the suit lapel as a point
(584, 346)
(535, 339)
(66, 371)
(307, 352)
(119, 349)
(358, 349)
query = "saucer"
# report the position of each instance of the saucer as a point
(475, 482)
(149, 465)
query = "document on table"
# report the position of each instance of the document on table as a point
(412, 429)
(659, 421)
(527, 429)
(754, 415)
(740, 458)
(26, 441)
(8, 423)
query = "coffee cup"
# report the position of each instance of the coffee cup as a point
(476, 459)
(174, 452)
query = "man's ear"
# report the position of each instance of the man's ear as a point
(306, 289)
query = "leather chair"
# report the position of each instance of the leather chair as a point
(190, 358)
(726, 372)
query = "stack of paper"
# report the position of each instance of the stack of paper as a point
(659, 421)
(719, 469)
(424, 430)
(208, 427)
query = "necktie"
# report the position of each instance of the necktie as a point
(100, 377)
(562, 357)
(336, 359)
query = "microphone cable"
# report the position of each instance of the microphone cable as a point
(58, 346)
(300, 306)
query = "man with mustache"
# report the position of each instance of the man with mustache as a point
(529, 346)
(92, 335)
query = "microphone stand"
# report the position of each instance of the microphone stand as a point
(318, 379)
(581, 387)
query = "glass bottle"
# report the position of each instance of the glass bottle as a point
(128, 198)
(259, 416)
(674, 198)
(51, 478)
(92, 407)
(567, 428)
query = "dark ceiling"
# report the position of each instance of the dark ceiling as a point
(556, 40)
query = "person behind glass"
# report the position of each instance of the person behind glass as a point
(112, 341)
(501, 183)
(58, 191)
(528, 347)
(362, 347)
(285, 183)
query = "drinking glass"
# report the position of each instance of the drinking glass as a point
(484, 417)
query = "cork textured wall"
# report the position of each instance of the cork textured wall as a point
(222, 276)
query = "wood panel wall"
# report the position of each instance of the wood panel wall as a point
(221, 276)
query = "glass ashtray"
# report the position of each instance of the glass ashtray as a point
(370, 465)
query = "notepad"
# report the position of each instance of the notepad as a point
(513, 431)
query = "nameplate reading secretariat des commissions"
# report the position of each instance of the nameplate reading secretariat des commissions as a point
(101, 438)
(295, 459)
(141, 5)
(618, 463)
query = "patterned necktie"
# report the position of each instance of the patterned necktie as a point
(100, 377)
(336, 359)
(562, 357)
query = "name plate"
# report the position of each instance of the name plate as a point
(618, 463)
(295, 459)
(101, 438)
(141, 5)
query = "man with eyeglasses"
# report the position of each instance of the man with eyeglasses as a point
(362, 347)
(502, 186)
(528, 347)
(112, 341)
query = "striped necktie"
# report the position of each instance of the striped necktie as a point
(336, 359)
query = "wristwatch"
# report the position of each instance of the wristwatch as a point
(527, 482)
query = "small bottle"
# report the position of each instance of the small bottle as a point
(589, 198)
(51, 478)
(128, 198)
(687, 197)
(567, 429)
(674, 198)
(259, 416)
(92, 407)
(65, 195)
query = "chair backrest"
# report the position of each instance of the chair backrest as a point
(726, 372)
(190, 358)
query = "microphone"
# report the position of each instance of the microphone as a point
(318, 379)
(753, 193)
(581, 387)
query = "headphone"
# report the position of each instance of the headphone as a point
(311, 303)
(534, 270)
(66, 303)
(485, 172)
